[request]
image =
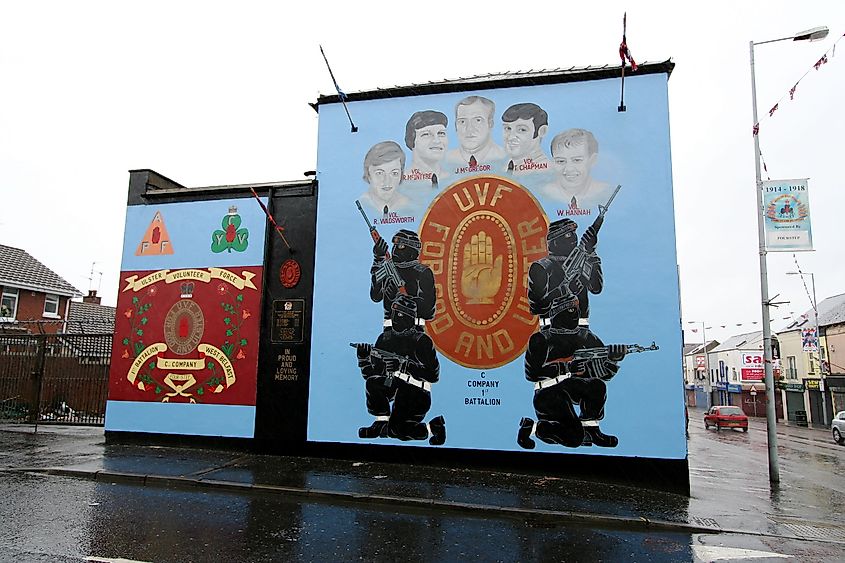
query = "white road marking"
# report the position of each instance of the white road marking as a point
(113, 560)
(718, 553)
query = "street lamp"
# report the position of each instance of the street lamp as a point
(818, 336)
(707, 388)
(771, 421)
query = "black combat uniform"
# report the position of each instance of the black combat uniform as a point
(546, 276)
(405, 382)
(418, 278)
(561, 382)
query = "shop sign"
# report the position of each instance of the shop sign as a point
(753, 374)
(752, 360)
(813, 384)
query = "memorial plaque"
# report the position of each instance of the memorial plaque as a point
(288, 315)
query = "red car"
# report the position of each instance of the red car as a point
(726, 417)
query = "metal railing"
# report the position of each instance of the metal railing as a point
(54, 378)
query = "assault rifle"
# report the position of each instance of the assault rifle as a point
(385, 355)
(576, 263)
(386, 269)
(601, 353)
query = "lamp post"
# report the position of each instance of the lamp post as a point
(771, 421)
(707, 388)
(818, 336)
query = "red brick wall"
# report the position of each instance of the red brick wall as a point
(31, 308)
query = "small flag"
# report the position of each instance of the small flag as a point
(773, 110)
(792, 91)
(820, 62)
(756, 129)
(624, 52)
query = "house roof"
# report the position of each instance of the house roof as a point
(503, 80)
(747, 341)
(19, 269)
(89, 318)
(831, 312)
(690, 349)
(87, 345)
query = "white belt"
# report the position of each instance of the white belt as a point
(547, 322)
(411, 380)
(418, 322)
(546, 383)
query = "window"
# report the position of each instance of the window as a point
(791, 371)
(9, 303)
(51, 305)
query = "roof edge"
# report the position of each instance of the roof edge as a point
(43, 289)
(501, 80)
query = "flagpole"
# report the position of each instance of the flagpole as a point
(622, 107)
(623, 47)
(340, 94)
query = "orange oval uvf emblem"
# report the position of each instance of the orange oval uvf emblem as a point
(479, 237)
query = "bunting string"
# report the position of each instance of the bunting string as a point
(823, 60)
(804, 281)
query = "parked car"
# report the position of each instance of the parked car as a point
(837, 426)
(727, 416)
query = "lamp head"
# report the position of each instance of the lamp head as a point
(812, 34)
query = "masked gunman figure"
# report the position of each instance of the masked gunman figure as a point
(417, 279)
(572, 269)
(400, 369)
(561, 381)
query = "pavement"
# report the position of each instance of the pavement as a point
(730, 491)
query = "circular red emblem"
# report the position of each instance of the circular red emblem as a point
(290, 273)
(183, 327)
(479, 237)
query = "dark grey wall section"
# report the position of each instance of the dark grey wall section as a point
(285, 347)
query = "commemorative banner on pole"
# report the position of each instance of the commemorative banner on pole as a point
(786, 213)
(809, 342)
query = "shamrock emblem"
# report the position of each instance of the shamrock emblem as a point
(231, 237)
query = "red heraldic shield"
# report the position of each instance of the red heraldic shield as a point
(187, 336)
(479, 237)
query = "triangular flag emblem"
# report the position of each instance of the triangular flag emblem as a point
(156, 241)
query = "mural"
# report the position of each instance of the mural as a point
(515, 276)
(185, 350)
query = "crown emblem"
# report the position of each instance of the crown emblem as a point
(233, 210)
(187, 290)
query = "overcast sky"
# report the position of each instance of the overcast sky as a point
(211, 93)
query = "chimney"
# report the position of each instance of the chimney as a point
(91, 297)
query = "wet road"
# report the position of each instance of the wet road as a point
(58, 519)
(812, 467)
(53, 518)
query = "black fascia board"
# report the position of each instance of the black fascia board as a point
(498, 81)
